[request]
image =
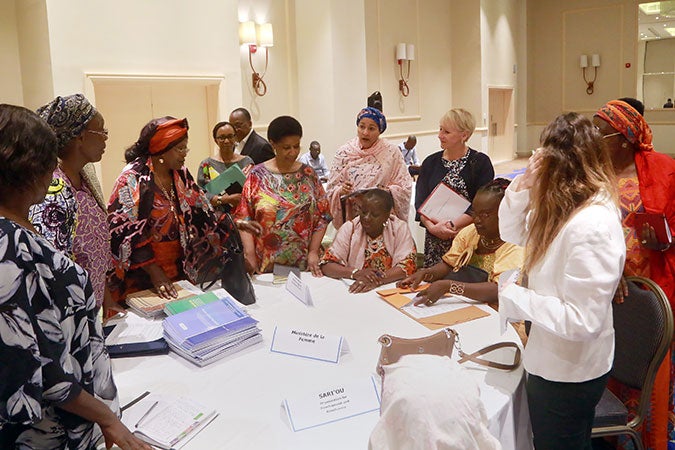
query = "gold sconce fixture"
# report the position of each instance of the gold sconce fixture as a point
(257, 35)
(404, 54)
(595, 63)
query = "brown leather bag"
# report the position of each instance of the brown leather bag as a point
(441, 344)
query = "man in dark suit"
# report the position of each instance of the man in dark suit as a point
(250, 143)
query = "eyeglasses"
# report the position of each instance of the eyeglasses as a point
(610, 135)
(183, 150)
(227, 137)
(103, 132)
(484, 215)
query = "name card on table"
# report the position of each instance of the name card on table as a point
(333, 403)
(299, 289)
(308, 344)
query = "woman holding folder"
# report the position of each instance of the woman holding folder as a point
(461, 168)
(210, 168)
(646, 181)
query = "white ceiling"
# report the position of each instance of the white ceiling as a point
(660, 23)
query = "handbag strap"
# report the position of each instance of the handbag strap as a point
(490, 348)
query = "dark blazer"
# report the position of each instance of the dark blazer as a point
(257, 148)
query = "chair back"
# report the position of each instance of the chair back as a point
(643, 326)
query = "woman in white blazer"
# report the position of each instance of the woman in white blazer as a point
(564, 211)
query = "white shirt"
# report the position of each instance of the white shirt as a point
(242, 143)
(409, 156)
(319, 164)
(570, 290)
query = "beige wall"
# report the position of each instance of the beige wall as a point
(34, 52)
(11, 90)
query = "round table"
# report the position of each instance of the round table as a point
(247, 388)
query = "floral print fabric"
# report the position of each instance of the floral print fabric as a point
(52, 341)
(290, 207)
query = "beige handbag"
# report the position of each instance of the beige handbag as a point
(441, 344)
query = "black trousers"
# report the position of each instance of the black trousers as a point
(562, 413)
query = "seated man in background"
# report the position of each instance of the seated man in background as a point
(316, 161)
(409, 152)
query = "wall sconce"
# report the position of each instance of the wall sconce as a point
(255, 36)
(404, 52)
(583, 63)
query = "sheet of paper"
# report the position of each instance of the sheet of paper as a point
(307, 344)
(443, 305)
(134, 329)
(444, 204)
(450, 318)
(332, 403)
(299, 289)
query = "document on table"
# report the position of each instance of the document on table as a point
(443, 305)
(341, 401)
(134, 329)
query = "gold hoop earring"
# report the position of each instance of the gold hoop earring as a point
(624, 145)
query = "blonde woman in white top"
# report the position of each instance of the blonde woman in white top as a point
(564, 211)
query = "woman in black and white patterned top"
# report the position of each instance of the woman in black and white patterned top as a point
(460, 167)
(56, 386)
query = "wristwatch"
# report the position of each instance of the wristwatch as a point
(219, 200)
(353, 273)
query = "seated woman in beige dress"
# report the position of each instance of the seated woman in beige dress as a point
(374, 248)
(478, 245)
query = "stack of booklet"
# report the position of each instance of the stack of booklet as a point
(148, 304)
(208, 332)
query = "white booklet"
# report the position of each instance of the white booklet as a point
(444, 204)
(165, 421)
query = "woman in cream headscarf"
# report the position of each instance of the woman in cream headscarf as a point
(365, 162)
(646, 184)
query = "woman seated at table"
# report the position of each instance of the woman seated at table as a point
(56, 386)
(477, 246)
(210, 168)
(374, 248)
(365, 162)
(162, 227)
(287, 199)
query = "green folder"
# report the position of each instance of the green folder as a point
(230, 177)
(178, 306)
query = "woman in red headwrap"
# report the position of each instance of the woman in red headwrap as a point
(162, 226)
(646, 182)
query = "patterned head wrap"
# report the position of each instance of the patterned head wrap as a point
(627, 121)
(167, 135)
(374, 114)
(68, 116)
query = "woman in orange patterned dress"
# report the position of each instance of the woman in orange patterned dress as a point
(646, 182)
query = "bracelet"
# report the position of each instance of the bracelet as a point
(219, 200)
(456, 288)
(353, 273)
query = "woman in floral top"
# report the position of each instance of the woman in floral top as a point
(374, 248)
(287, 199)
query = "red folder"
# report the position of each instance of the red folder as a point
(658, 222)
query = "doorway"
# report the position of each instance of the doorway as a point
(501, 130)
(129, 103)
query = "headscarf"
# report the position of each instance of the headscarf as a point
(166, 135)
(374, 114)
(626, 120)
(68, 116)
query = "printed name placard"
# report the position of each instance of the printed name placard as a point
(332, 403)
(299, 289)
(308, 344)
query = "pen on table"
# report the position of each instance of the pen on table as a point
(145, 415)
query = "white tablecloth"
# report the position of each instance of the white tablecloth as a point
(248, 388)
